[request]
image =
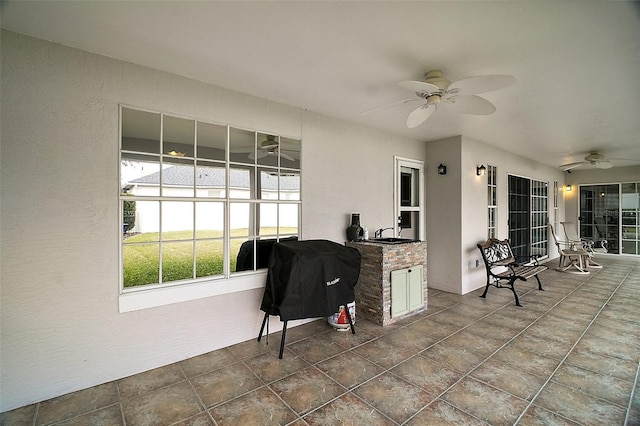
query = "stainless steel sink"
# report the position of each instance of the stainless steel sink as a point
(392, 240)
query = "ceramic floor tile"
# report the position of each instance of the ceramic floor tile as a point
(479, 344)
(440, 413)
(307, 390)
(605, 347)
(259, 407)
(536, 416)
(348, 410)
(111, 416)
(207, 362)
(76, 403)
(163, 406)
(509, 378)
(453, 357)
(485, 402)
(138, 384)
(23, 416)
(348, 340)
(605, 387)
(602, 364)
(251, 348)
(579, 406)
(268, 367)
(315, 348)
(411, 338)
(394, 397)
(453, 318)
(383, 352)
(544, 346)
(349, 369)
(224, 384)
(525, 360)
(429, 375)
(433, 328)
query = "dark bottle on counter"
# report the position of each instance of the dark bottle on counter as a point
(354, 231)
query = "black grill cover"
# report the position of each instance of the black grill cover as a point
(310, 279)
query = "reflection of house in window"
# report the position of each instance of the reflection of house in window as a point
(178, 182)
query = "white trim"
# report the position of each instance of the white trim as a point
(398, 163)
(160, 296)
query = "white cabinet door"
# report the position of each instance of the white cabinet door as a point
(406, 290)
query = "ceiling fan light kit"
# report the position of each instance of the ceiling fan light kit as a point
(460, 95)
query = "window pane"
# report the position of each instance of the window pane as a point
(288, 217)
(241, 256)
(178, 136)
(268, 219)
(177, 261)
(177, 220)
(290, 186)
(141, 221)
(140, 131)
(177, 178)
(212, 141)
(290, 153)
(209, 220)
(140, 264)
(241, 182)
(211, 180)
(209, 258)
(268, 149)
(140, 175)
(268, 184)
(242, 146)
(241, 219)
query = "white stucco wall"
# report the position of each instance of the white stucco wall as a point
(60, 325)
(458, 232)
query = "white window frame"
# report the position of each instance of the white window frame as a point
(153, 295)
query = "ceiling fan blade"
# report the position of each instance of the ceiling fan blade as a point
(419, 115)
(606, 164)
(261, 153)
(566, 167)
(470, 105)
(287, 156)
(392, 104)
(482, 84)
(419, 86)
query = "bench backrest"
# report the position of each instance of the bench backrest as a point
(496, 252)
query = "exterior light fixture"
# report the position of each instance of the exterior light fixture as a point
(481, 171)
(568, 188)
(442, 169)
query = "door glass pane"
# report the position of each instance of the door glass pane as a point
(599, 211)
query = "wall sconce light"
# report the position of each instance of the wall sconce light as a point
(568, 188)
(481, 171)
(442, 169)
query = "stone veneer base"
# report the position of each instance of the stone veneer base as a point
(373, 291)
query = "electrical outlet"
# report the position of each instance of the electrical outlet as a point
(477, 263)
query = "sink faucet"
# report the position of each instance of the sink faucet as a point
(378, 233)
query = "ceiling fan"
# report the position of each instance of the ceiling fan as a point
(594, 159)
(460, 95)
(270, 146)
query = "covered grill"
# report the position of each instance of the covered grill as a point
(309, 279)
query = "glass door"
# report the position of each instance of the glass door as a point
(630, 210)
(599, 215)
(528, 216)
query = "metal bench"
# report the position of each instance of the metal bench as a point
(502, 268)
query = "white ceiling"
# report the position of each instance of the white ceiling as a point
(577, 63)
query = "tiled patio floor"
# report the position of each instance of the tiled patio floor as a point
(569, 356)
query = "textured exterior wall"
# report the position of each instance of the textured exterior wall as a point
(373, 291)
(59, 312)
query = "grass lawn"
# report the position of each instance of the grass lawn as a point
(141, 255)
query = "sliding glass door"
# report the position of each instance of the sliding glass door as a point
(528, 216)
(610, 212)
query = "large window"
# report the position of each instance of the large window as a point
(492, 200)
(201, 200)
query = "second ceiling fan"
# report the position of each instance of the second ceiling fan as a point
(460, 96)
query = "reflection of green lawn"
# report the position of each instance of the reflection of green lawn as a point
(141, 261)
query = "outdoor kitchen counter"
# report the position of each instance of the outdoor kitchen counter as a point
(373, 291)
